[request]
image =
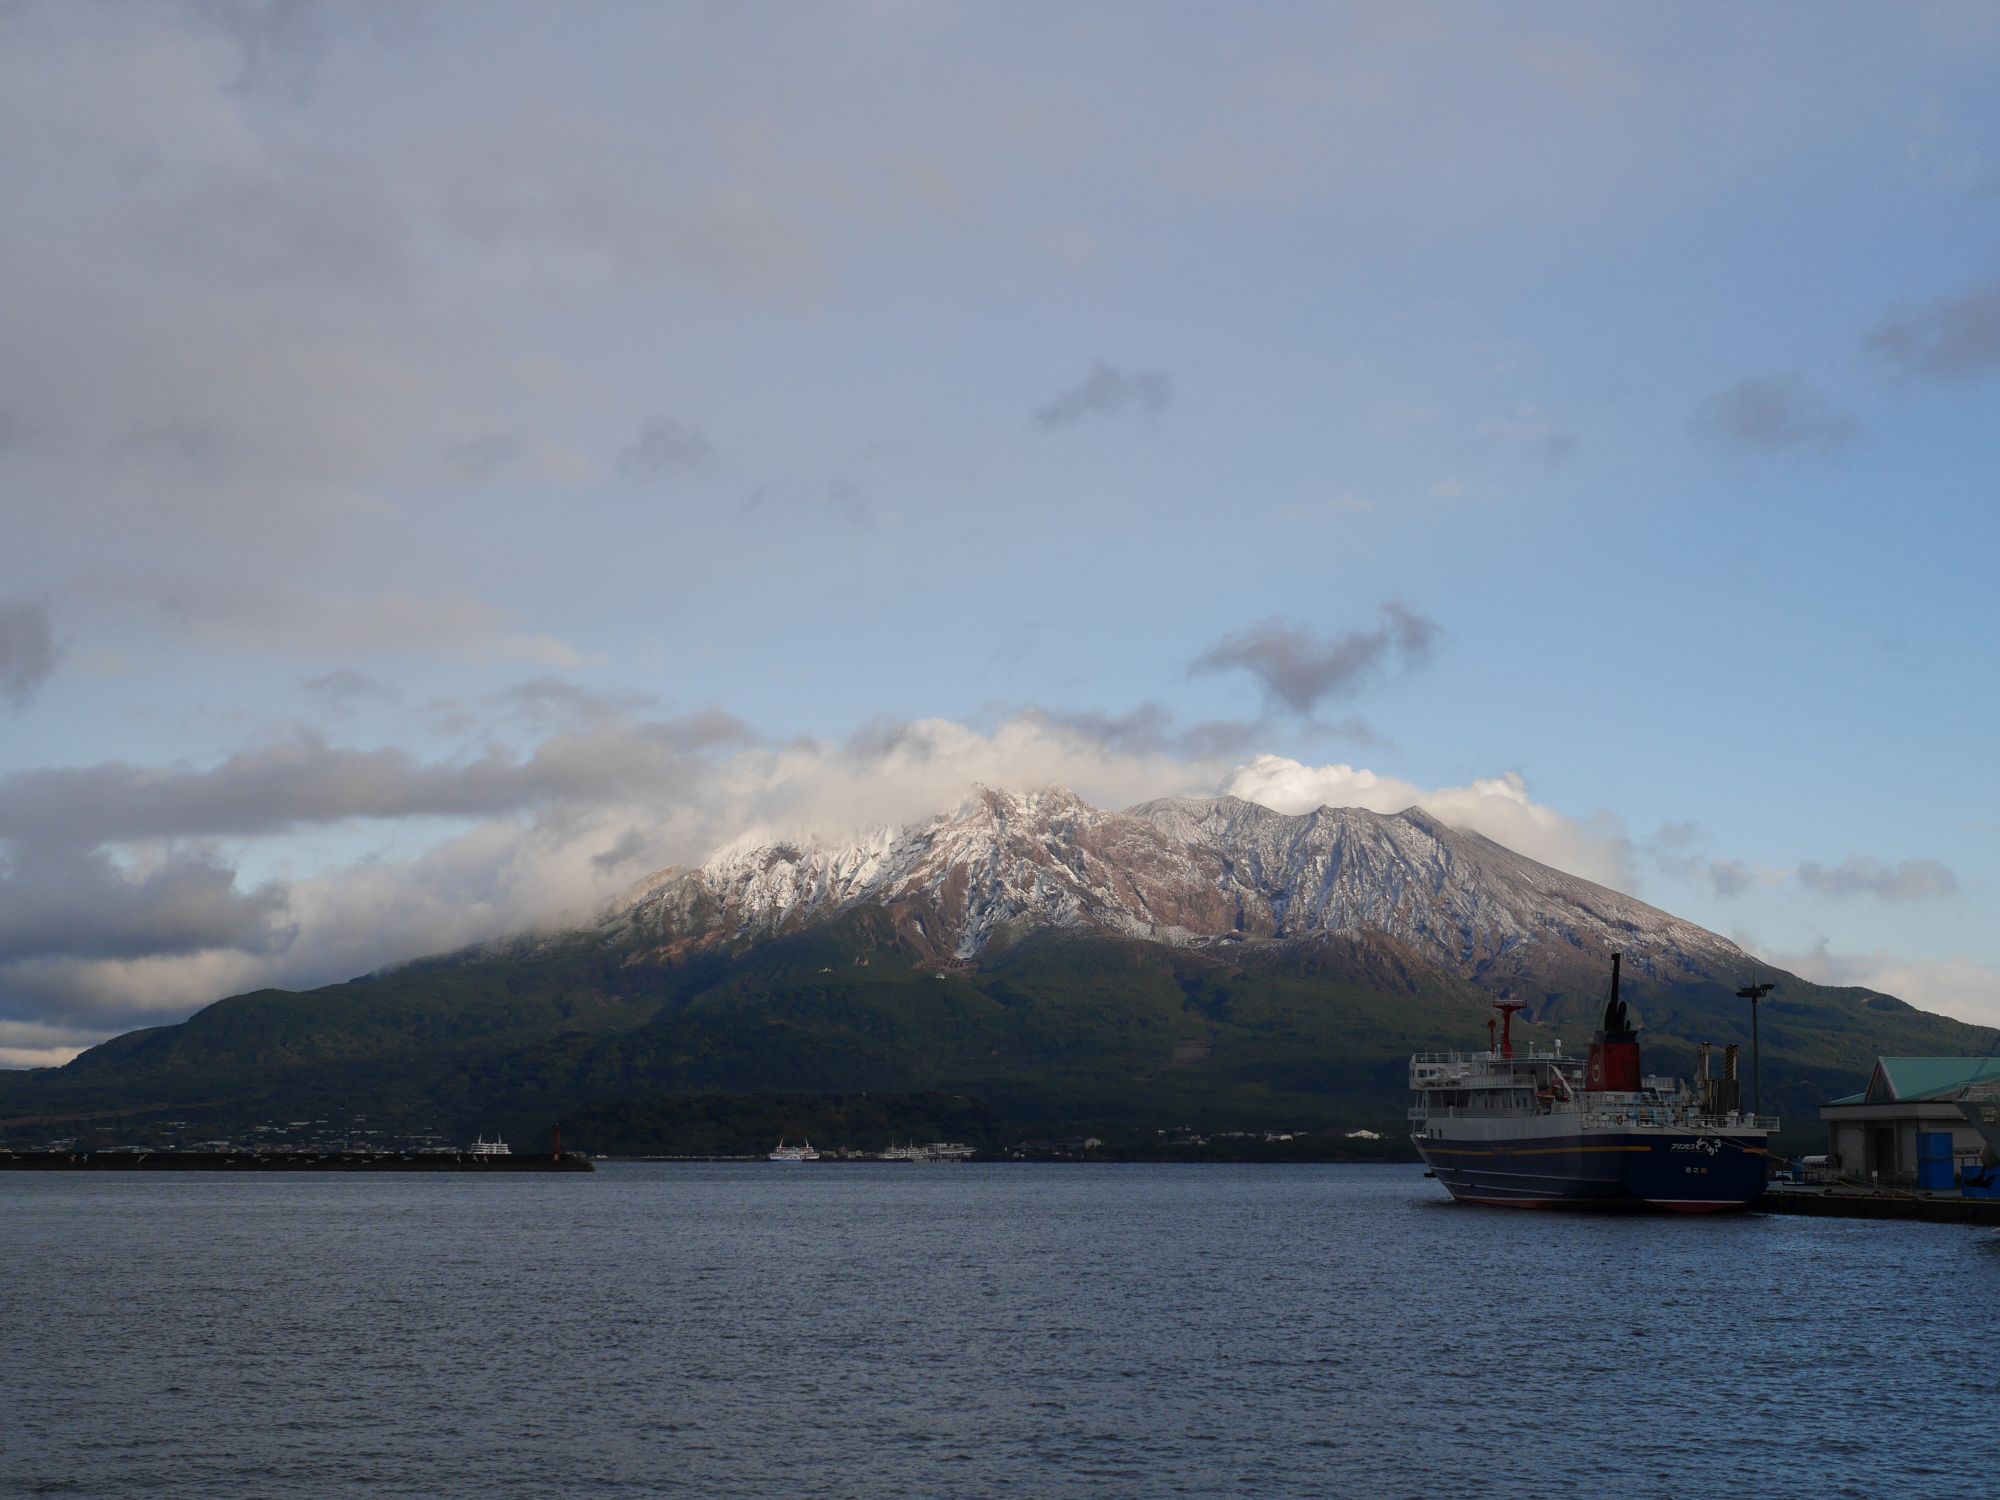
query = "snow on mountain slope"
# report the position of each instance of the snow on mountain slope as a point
(1182, 870)
(1177, 871)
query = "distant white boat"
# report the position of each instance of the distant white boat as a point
(794, 1153)
(484, 1147)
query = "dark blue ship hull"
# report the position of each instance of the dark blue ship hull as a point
(1698, 1174)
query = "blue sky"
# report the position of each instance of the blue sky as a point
(456, 458)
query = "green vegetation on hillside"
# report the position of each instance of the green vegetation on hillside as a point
(1055, 1034)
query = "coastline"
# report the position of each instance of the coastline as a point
(288, 1161)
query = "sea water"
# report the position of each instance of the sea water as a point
(1035, 1330)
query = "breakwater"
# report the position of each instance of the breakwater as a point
(289, 1161)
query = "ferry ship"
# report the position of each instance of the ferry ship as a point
(794, 1153)
(1545, 1130)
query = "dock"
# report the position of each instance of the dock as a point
(1878, 1203)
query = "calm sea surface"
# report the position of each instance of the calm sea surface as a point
(963, 1331)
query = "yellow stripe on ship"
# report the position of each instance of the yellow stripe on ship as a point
(1534, 1150)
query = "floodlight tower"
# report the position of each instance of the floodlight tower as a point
(1753, 993)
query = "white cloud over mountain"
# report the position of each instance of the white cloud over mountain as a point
(1499, 807)
(552, 834)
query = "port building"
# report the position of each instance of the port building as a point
(1873, 1134)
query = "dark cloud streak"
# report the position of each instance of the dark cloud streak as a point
(1863, 875)
(839, 497)
(1108, 391)
(1148, 729)
(341, 689)
(1954, 338)
(665, 446)
(1773, 414)
(1298, 671)
(306, 781)
(1674, 851)
(29, 651)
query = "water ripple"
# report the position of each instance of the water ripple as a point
(1037, 1331)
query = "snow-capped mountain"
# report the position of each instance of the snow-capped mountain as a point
(1182, 871)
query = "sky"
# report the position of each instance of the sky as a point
(456, 459)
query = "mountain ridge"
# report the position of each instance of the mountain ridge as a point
(1182, 870)
(1183, 961)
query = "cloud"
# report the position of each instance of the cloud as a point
(1299, 671)
(1958, 987)
(543, 699)
(37, 1044)
(306, 781)
(1954, 338)
(552, 835)
(518, 454)
(1728, 877)
(139, 916)
(244, 614)
(840, 497)
(204, 449)
(283, 44)
(28, 649)
(664, 446)
(1148, 729)
(1108, 391)
(1673, 850)
(61, 903)
(1499, 807)
(484, 457)
(342, 688)
(632, 848)
(1772, 414)
(1532, 428)
(1863, 875)
(237, 323)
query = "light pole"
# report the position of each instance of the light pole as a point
(1753, 993)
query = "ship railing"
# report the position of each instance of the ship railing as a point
(1526, 1054)
(1591, 1114)
(1480, 1112)
(1654, 1117)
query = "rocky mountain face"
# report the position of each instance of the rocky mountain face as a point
(1188, 872)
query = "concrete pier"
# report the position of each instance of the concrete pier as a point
(1878, 1203)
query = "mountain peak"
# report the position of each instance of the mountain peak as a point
(1006, 802)
(1177, 870)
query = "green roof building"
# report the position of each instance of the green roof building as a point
(1872, 1135)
